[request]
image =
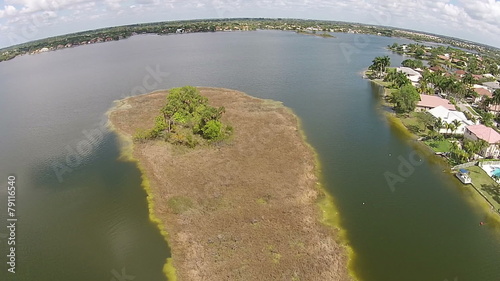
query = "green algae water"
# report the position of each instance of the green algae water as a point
(83, 215)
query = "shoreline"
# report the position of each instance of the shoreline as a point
(479, 200)
(302, 208)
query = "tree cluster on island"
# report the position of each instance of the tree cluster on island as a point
(187, 119)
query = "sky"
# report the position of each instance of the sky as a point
(27, 20)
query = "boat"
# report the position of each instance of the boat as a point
(463, 176)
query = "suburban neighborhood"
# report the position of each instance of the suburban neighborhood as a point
(449, 99)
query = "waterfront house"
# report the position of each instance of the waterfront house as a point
(448, 116)
(428, 102)
(483, 93)
(412, 74)
(492, 137)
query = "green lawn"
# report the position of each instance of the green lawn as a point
(413, 124)
(489, 188)
(472, 110)
(439, 146)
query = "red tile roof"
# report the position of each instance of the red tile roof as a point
(483, 92)
(434, 101)
(443, 57)
(436, 68)
(485, 133)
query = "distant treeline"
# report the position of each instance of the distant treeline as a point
(213, 25)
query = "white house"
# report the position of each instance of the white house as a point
(448, 116)
(492, 86)
(476, 132)
(413, 75)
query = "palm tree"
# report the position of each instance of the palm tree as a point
(386, 62)
(438, 124)
(423, 87)
(459, 89)
(424, 81)
(379, 64)
(456, 123)
(451, 127)
(454, 150)
(495, 100)
(436, 79)
(480, 145)
(468, 79)
(391, 74)
(401, 80)
(486, 103)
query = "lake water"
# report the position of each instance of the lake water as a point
(82, 214)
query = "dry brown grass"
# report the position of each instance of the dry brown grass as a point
(240, 211)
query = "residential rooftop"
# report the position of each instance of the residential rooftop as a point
(429, 101)
(485, 133)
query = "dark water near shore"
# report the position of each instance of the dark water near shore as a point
(92, 223)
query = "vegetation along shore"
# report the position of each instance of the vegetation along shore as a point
(233, 182)
(312, 27)
(448, 99)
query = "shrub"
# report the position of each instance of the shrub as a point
(212, 130)
(141, 136)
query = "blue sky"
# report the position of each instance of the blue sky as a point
(26, 20)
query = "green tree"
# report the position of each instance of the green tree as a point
(412, 63)
(456, 123)
(400, 80)
(451, 127)
(405, 99)
(185, 114)
(438, 124)
(212, 130)
(423, 83)
(487, 119)
(495, 100)
(468, 79)
(379, 64)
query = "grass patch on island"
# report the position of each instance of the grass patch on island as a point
(179, 204)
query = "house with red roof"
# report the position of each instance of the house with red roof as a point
(492, 137)
(444, 57)
(436, 68)
(460, 73)
(429, 102)
(477, 76)
(482, 94)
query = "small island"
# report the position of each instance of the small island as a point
(314, 32)
(240, 199)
